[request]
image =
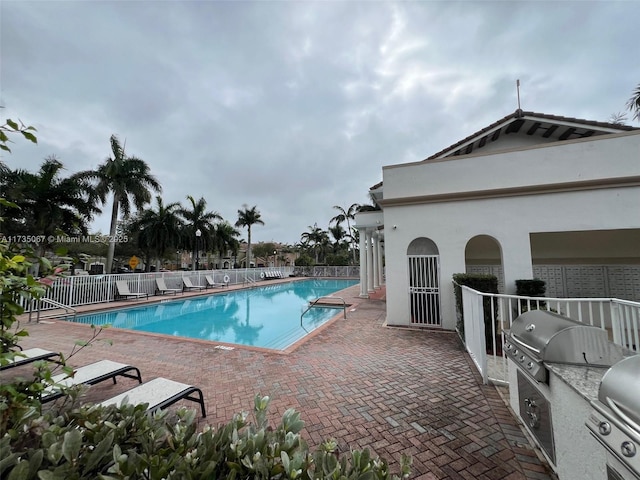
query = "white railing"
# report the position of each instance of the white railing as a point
(474, 330)
(68, 311)
(79, 290)
(328, 271)
(621, 318)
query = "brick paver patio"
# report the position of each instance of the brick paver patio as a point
(392, 390)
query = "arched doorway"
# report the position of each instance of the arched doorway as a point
(424, 282)
(483, 255)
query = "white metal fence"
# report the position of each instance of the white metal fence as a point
(424, 289)
(89, 289)
(621, 318)
(328, 271)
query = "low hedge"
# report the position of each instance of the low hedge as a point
(125, 442)
(481, 283)
(531, 288)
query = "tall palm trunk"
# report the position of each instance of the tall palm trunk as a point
(249, 247)
(112, 232)
(352, 241)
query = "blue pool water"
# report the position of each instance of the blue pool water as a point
(266, 316)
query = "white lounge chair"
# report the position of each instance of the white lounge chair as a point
(211, 283)
(123, 291)
(30, 355)
(188, 284)
(159, 393)
(90, 375)
(162, 287)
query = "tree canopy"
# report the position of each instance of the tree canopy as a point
(128, 179)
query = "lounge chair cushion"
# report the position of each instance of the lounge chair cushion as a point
(90, 375)
(162, 287)
(31, 355)
(123, 291)
(158, 393)
(189, 285)
(211, 282)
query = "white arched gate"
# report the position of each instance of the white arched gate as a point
(424, 289)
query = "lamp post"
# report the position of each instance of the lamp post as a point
(178, 260)
(196, 265)
(275, 259)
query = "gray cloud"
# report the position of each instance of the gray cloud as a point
(295, 106)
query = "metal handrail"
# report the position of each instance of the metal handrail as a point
(248, 281)
(68, 310)
(315, 304)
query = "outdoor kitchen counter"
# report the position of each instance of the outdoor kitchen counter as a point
(585, 380)
(582, 379)
(560, 408)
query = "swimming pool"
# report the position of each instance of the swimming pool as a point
(266, 316)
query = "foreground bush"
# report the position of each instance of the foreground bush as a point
(127, 443)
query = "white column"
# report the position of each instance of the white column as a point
(363, 264)
(380, 263)
(516, 259)
(370, 288)
(376, 273)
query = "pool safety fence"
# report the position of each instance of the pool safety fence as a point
(73, 291)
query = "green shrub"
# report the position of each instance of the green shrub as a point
(127, 443)
(481, 283)
(531, 288)
(304, 261)
(338, 259)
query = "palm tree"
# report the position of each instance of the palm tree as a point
(316, 238)
(159, 229)
(633, 104)
(338, 234)
(347, 215)
(246, 218)
(47, 204)
(618, 118)
(198, 218)
(129, 180)
(225, 239)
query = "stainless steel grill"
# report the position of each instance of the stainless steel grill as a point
(539, 336)
(615, 421)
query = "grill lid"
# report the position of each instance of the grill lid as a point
(558, 339)
(620, 390)
(536, 328)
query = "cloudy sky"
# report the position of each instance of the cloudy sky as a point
(294, 107)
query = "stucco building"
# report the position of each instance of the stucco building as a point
(531, 195)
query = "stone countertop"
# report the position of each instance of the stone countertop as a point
(585, 380)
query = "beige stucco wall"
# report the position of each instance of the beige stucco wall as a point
(510, 218)
(593, 158)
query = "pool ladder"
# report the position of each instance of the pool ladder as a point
(321, 302)
(68, 311)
